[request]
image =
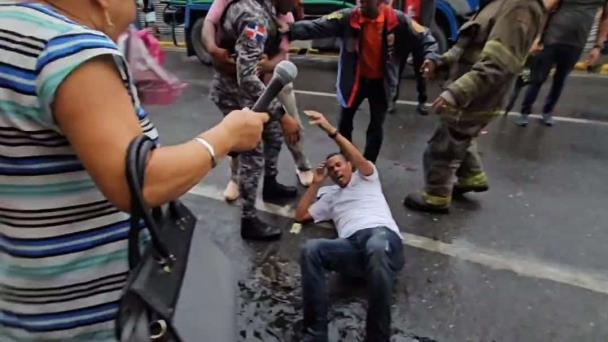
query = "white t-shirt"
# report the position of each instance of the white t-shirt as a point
(359, 205)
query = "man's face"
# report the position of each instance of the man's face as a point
(369, 8)
(340, 170)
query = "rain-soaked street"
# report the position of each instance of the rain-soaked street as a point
(525, 261)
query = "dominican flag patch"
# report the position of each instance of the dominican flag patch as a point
(255, 32)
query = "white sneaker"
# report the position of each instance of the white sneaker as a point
(304, 177)
(231, 193)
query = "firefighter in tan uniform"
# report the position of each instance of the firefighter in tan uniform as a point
(489, 54)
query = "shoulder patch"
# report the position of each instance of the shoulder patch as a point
(417, 27)
(255, 32)
(337, 15)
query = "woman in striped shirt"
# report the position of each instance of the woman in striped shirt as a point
(67, 114)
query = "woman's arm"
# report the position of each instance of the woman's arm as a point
(95, 113)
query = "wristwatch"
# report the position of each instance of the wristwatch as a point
(333, 135)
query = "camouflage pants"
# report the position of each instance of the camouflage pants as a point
(452, 151)
(265, 155)
(247, 169)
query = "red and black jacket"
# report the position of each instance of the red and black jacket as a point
(399, 37)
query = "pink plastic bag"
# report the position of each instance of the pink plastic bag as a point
(155, 85)
(153, 45)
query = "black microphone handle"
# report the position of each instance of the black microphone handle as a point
(272, 90)
(261, 105)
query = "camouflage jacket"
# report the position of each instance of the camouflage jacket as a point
(248, 30)
(491, 50)
(399, 37)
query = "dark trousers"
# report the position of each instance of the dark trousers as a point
(374, 92)
(520, 83)
(563, 57)
(375, 254)
(418, 59)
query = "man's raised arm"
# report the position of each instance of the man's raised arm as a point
(349, 150)
(330, 25)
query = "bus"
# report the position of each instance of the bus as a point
(190, 14)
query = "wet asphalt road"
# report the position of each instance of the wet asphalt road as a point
(523, 262)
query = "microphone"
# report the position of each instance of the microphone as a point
(284, 73)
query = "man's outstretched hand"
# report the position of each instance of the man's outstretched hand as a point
(593, 56)
(223, 61)
(439, 105)
(318, 119)
(320, 174)
(428, 69)
(443, 102)
(349, 150)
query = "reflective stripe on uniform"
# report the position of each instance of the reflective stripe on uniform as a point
(497, 51)
(459, 115)
(465, 85)
(436, 201)
(479, 179)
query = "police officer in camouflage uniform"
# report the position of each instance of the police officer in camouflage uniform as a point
(489, 54)
(248, 30)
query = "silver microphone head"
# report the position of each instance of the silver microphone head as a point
(286, 72)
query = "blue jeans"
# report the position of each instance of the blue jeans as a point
(375, 254)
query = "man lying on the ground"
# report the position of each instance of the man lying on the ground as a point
(368, 245)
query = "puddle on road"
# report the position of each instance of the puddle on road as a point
(270, 308)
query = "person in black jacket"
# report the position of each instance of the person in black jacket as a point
(372, 34)
(425, 17)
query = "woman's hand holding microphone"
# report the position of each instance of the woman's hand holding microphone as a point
(243, 128)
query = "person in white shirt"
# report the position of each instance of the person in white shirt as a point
(369, 243)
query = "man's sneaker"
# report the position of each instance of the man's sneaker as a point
(522, 120)
(548, 119)
(477, 183)
(231, 193)
(304, 177)
(421, 109)
(252, 228)
(421, 201)
(275, 192)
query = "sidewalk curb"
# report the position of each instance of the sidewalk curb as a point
(169, 44)
(600, 69)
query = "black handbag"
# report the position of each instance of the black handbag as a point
(151, 294)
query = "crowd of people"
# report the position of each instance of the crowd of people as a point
(64, 206)
(375, 39)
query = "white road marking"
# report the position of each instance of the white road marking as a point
(414, 103)
(523, 266)
(327, 58)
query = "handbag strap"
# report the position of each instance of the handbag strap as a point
(137, 156)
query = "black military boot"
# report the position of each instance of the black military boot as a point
(275, 192)
(252, 228)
